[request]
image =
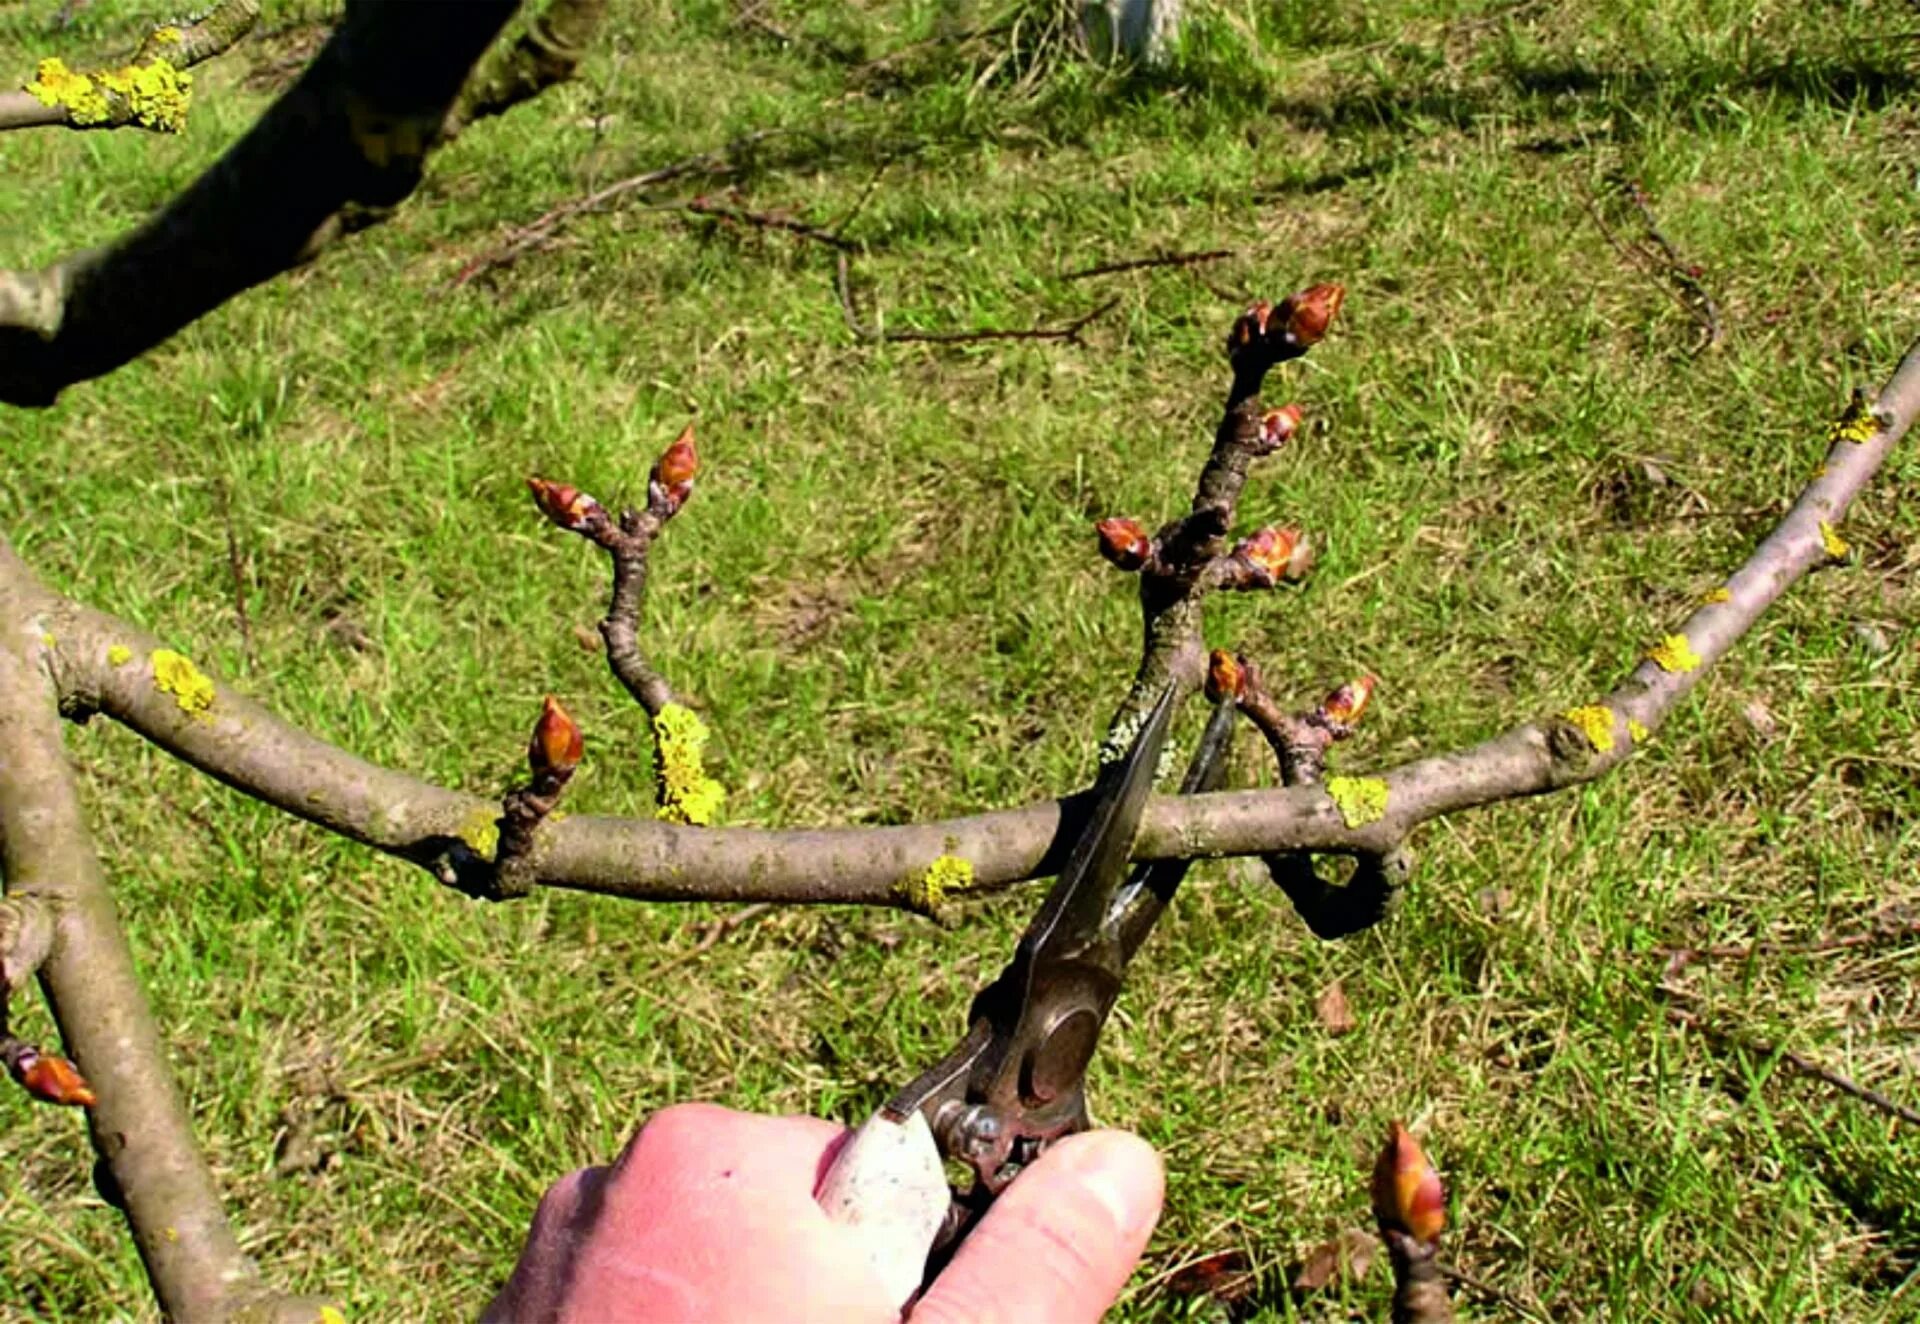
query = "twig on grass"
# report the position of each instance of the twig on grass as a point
(711, 935)
(765, 220)
(1680, 1006)
(542, 228)
(1659, 260)
(1143, 263)
(1889, 927)
(1069, 331)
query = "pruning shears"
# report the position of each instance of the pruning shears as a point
(1016, 1083)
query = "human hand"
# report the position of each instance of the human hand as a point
(709, 1214)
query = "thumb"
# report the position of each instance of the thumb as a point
(1060, 1243)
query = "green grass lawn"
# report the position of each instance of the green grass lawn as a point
(885, 598)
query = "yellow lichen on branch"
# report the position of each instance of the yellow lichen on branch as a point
(154, 95)
(686, 793)
(1675, 653)
(175, 674)
(1858, 425)
(1360, 800)
(1830, 539)
(1595, 722)
(926, 890)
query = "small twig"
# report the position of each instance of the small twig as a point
(1889, 928)
(1142, 263)
(1805, 1066)
(703, 206)
(840, 223)
(236, 575)
(1069, 331)
(711, 935)
(1661, 262)
(541, 229)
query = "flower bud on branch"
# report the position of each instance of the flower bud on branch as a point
(1226, 676)
(1277, 427)
(1262, 560)
(1265, 335)
(569, 507)
(1125, 544)
(1407, 1197)
(48, 1077)
(1343, 707)
(1410, 1208)
(671, 482)
(557, 746)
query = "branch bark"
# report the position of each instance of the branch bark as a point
(355, 130)
(105, 665)
(139, 1124)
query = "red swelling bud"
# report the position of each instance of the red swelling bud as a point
(557, 747)
(1249, 327)
(49, 1077)
(1277, 427)
(566, 506)
(1346, 704)
(1310, 312)
(1269, 553)
(671, 482)
(1124, 543)
(1226, 677)
(1406, 1190)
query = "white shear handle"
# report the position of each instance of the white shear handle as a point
(888, 1183)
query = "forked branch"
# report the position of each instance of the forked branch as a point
(105, 665)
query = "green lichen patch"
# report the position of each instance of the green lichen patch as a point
(926, 890)
(686, 793)
(1360, 800)
(1674, 654)
(175, 674)
(480, 829)
(118, 655)
(1595, 722)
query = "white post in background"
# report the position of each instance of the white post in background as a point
(1141, 30)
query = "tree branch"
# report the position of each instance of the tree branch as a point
(150, 91)
(138, 1122)
(105, 665)
(354, 130)
(548, 52)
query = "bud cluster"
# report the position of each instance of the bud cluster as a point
(1267, 334)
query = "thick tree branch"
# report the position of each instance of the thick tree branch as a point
(354, 130)
(139, 1123)
(150, 91)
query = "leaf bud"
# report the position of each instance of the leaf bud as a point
(1277, 427)
(1406, 1190)
(1226, 676)
(1268, 553)
(1124, 543)
(557, 747)
(1310, 312)
(49, 1077)
(1346, 704)
(1249, 327)
(566, 506)
(671, 482)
